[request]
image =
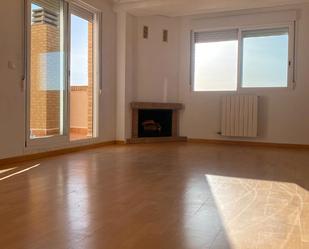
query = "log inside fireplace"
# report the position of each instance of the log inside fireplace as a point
(155, 122)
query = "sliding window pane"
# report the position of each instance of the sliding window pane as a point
(265, 58)
(47, 79)
(215, 61)
(216, 66)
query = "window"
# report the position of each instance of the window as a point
(266, 59)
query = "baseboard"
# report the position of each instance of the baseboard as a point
(144, 140)
(23, 158)
(247, 143)
(120, 142)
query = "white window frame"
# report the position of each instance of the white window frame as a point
(291, 56)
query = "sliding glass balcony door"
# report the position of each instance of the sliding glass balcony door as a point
(62, 62)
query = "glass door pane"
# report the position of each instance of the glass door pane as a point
(47, 81)
(81, 77)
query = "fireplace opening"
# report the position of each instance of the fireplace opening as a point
(155, 123)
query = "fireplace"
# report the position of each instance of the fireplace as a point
(153, 122)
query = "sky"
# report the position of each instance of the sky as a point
(79, 51)
(79, 54)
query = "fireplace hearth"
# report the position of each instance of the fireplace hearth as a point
(155, 122)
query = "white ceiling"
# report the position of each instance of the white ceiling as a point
(187, 7)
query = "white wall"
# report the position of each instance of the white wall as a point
(126, 43)
(148, 69)
(12, 98)
(157, 61)
(284, 114)
(130, 89)
(121, 75)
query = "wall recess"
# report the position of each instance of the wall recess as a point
(145, 32)
(165, 35)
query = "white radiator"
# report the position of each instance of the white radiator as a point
(239, 116)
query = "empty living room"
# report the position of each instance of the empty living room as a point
(154, 124)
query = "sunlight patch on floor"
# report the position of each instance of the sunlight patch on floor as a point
(19, 172)
(259, 214)
(6, 170)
